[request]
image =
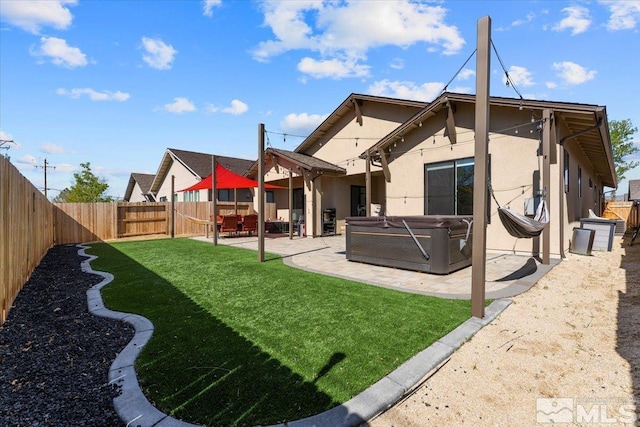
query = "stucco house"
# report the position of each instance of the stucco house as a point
(411, 158)
(188, 168)
(138, 188)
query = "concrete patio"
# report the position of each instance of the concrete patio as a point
(506, 274)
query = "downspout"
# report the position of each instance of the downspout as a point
(561, 174)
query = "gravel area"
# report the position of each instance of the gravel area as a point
(54, 355)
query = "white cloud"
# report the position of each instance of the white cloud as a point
(406, 90)
(573, 73)
(302, 123)
(328, 29)
(551, 85)
(65, 168)
(577, 20)
(466, 74)
(333, 68)
(50, 148)
(159, 55)
(208, 5)
(180, 105)
(462, 89)
(60, 52)
(94, 95)
(397, 64)
(529, 18)
(520, 76)
(625, 14)
(32, 15)
(26, 162)
(237, 107)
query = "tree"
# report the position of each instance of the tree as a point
(621, 132)
(88, 188)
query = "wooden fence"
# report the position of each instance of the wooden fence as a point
(623, 210)
(90, 222)
(26, 232)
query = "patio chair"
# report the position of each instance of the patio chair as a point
(250, 223)
(229, 224)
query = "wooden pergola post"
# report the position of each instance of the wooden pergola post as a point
(261, 192)
(479, 247)
(368, 185)
(290, 204)
(546, 182)
(214, 200)
(173, 206)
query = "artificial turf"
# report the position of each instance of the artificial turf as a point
(238, 342)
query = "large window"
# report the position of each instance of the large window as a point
(449, 187)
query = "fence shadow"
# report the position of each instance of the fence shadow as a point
(628, 333)
(214, 375)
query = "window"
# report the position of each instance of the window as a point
(225, 195)
(566, 171)
(271, 197)
(579, 182)
(449, 187)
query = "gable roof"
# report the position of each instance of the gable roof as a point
(143, 180)
(199, 164)
(587, 123)
(299, 161)
(352, 105)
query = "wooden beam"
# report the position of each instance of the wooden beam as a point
(356, 107)
(385, 165)
(261, 192)
(451, 122)
(173, 206)
(307, 179)
(290, 204)
(367, 179)
(214, 200)
(479, 245)
(546, 181)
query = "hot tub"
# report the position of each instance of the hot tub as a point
(429, 243)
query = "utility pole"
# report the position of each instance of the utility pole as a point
(45, 167)
(6, 142)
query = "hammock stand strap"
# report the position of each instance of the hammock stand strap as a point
(519, 225)
(194, 219)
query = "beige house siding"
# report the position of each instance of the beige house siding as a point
(136, 194)
(342, 146)
(183, 179)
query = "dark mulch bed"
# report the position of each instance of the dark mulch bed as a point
(55, 355)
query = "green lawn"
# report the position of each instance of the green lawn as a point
(238, 342)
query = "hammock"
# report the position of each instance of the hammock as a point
(522, 226)
(194, 219)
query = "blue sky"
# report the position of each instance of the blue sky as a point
(115, 83)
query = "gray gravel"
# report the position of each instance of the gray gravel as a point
(54, 355)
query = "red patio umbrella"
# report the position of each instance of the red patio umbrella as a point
(225, 179)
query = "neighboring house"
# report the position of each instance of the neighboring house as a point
(634, 189)
(138, 188)
(188, 168)
(417, 159)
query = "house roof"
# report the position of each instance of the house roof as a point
(199, 164)
(299, 161)
(586, 123)
(634, 189)
(350, 106)
(304, 161)
(143, 180)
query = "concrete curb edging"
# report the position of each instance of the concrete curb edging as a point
(134, 409)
